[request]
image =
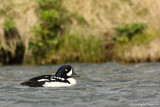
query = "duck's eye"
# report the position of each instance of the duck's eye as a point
(66, 70)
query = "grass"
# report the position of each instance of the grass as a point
(104, 16)
(142, 48)
(73, 48)
(77, 48)
(54, 44)
(9, 24)
(88, 23)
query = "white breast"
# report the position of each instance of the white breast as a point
(72, 81)
(60, 84)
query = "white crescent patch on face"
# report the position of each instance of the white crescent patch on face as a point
(70, 73)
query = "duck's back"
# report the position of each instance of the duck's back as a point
(37, 81)
(49, 81)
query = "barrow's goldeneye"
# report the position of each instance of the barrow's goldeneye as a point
(63, 77)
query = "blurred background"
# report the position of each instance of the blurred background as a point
(92, 31)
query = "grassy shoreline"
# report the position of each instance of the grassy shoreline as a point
(51, 31)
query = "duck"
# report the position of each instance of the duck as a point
(65, 76)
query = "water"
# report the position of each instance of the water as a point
(99, 85)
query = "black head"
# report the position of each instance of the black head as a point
(65, 71)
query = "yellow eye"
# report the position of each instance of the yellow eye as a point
(66, 70)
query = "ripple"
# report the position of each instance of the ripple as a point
(104, 85)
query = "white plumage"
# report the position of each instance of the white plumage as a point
(60, 84)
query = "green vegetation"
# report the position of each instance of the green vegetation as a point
(137, 49)
(77, 48)
(143, 38)
(134, 34)
(8, 25)
(61, 31)
(44, 41)
(13, 50)
(127, 32)
(50, 42)
(1, 46)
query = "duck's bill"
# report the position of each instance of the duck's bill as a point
(74, 75)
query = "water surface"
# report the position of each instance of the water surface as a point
(99, 85)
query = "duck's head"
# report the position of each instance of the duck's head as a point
(66, 71)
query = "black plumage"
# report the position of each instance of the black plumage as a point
(61, 76)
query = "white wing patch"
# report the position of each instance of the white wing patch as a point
(43, 80)
(53, 79)
(62, 79)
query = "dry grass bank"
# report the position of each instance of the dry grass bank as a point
(91, 18)
(102, 16)
(22, 12)
(141, 53)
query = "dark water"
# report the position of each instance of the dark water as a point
(99, 85)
